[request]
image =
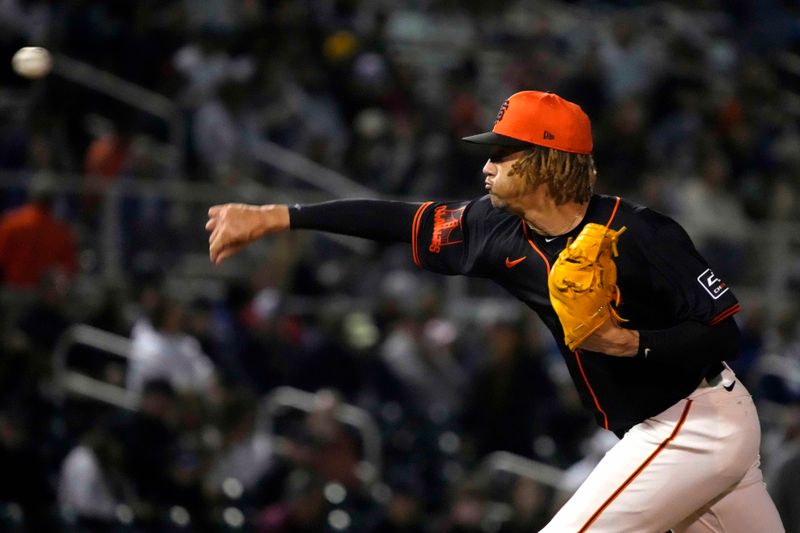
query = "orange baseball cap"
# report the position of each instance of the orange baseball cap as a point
(534, 117)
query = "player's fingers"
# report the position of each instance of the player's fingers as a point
(227, 252)
(214, 250)
(218, 242)
(215, 209)
(211, 224)
(217, 255)
(214, 234)
(215, 245)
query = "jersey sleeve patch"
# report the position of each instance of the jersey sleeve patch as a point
(713, 285)
(449, 237)
(447, 228)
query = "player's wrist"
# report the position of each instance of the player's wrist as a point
(273, 218)
(631, 347)
(624, 343)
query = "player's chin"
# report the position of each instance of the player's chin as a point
(496, 202)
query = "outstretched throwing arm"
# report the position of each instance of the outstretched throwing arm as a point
(234, 226)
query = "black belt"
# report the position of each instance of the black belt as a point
(714, 370)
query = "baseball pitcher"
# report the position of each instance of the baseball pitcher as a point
(644, 323)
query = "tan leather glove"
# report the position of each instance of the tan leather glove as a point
(583, 283)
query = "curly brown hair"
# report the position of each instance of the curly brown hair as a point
(568, 176)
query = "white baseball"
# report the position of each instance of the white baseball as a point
(32, 62)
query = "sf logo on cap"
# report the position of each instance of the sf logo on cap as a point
(501, 112)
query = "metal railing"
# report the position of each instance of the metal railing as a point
(73, 382)
(519, 466)
(279, 401)
(310, 172)
(131, 94)
(287, 161)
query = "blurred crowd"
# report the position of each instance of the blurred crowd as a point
(695, 110)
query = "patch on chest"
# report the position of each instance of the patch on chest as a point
(714, 286)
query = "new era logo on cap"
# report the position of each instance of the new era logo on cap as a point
(545, 119)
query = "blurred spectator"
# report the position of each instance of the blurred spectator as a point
(419, 355)
(112, 313)
(206, 65)
(91, 485)
(405, 511)
(719, 233)
(223, 15)
(467, 510)
(224, 132)
(252, 355)
(630, 57)
(30, 19)
(151, 439)
(327, 346)
(107, 157)
(108, 153)
(302, 509)
(777, 374)
(783, 468)
(49, 315)
(752, 327)
(162, 349)
(24, 480)
(33, 241)
(335, 452)
(200, 325)
(782, 473)
(531, 505)
(622, 149)
(246, 454)
(511, 397)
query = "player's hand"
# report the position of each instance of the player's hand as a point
(234, 226)
(611, 339)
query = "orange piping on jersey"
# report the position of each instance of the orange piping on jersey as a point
(591, 390)
(639, 470)
(577, 357)
(732, 310)
(538, 251)
(415, 230)
(613, 213)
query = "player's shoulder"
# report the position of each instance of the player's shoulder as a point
(625, 212)
(645, 224)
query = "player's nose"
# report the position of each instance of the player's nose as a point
(489, 168)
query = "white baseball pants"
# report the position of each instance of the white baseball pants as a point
(693, 468)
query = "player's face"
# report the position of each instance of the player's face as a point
(506, 192)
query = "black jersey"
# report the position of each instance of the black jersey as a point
(662, 278)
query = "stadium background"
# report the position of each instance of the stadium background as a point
(320, 383)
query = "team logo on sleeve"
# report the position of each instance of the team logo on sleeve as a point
(712, 284)
(446, 228)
